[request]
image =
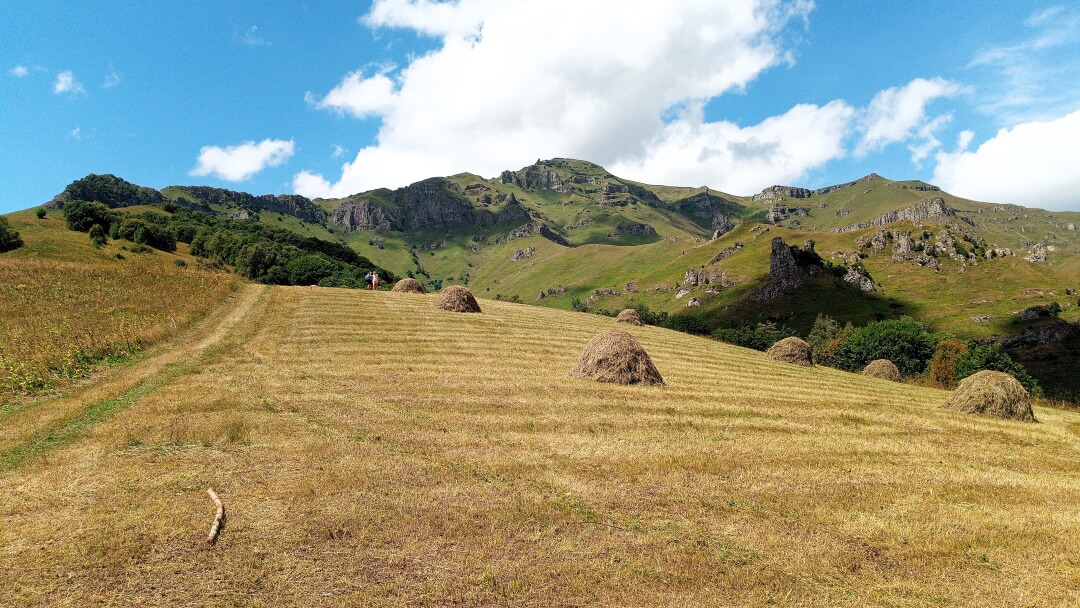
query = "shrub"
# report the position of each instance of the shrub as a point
(689, 324)
(82, 215)
(906, 342)
(824, 329)
(943, 363)
(40, 213)
(179, 263)
(310, 269)
(1054, 308)
(9, 237)
(142, 232)
(760, 337)
(97, 235)
(650, 317)
(993, 357)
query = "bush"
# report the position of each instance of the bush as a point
(97, 235)
(650, 317)
(1054, 308)
(142, 232)
(688, 324)
(943, 363)
(310, 269)
(824, 329)
(179, 263)
(9, 237)
(994, 357)
(40, 213)
(82, 215)
(906, 342)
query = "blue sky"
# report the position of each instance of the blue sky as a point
(330, 100)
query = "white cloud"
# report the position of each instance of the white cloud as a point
(899, 113)
(76, 134)
(337, 151)
(251, 37)
(780, 149)
(111, 79)
(964, 140)
(66, 83)
(19, 71)
(238, 163)
(1031, 164)
(513, 81)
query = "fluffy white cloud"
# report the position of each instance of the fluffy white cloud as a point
(780, 149)
(19, 71)
(1031, 164)
(517, 80)
(111, 79)
(238, 163)
(66, 83)
(899, 113)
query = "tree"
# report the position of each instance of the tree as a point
(97, 235)
(40, 213)
(9, 237)
(81, 215)
(993, 357)
(943, 363)
(906, 342)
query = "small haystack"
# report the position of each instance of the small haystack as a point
(994, 394)
(456, 298)
(883, 369)
(616, 356)
(792, 350)
(408, 285)
(629, 316)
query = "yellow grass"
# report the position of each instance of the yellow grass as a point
(59, 315)
(373, 451)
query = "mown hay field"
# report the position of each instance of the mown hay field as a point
(62, 314)
(371, 450)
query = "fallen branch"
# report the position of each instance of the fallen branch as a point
(219, 518)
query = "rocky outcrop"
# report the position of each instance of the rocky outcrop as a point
(776, 193)
(925, 209)
(290, 204)
(1045, 333)
(522, 254)
(693, 302)
(537, 228)
(859, 277)
(725, 253)
(785, 272)
(778, 212)
(695, 277)
(1036, 254)
(633, 230)
(551, 291)
(360, 214)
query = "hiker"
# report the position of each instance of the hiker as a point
(367, 279)
(374, 280)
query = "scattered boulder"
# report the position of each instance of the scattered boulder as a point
(693, 302)
(456, 298)
(629, 316)
(408, 285)
(990, 393)
(1036, 254)
(883, 369)
(522, 254)
(859, 277)
(792, 350)
(616, 356)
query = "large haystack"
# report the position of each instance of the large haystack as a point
(408, 285)
(616, 356)
(883, 369)
(456, 298)
(629, 316)
(792, 350)
(991, 393)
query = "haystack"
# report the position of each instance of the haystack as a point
(456, 298)
(792, 350)
(616, 356)
(629, 316)
(408, 285)
(991, 393)
(883, 369)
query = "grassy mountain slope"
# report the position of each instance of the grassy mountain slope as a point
(372, 450)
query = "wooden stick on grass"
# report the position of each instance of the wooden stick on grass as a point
(219, 518)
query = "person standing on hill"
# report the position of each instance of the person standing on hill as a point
(374, 280)
(367, 279)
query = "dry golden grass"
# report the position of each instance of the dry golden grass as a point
(59, 315)
(371, 450)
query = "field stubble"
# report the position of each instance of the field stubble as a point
(373, 451)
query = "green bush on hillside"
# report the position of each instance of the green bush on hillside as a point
(690, 324)
(97, 235)
(82, 215)
(760, 337)
(40, 213)
(9, 237)
(906, 342)
(143, 232)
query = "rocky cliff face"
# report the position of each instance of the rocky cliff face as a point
(776, 193)
(785, 273)
(359, 215)
(925, 209)
(290, 204)
(538, 228)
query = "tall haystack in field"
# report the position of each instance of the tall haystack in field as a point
(616, 356)
(991, 393)
(792, 350)
(456, 298)
(883, 369)
(408, 285)
(629, 316)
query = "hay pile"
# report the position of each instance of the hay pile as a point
(883, 369)
(792, 350)
(616, 356)
(408, 285)
(456, 298)
(629, 316)
(991, 393)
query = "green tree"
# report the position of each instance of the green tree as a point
(97, 235)
(81, 215)
(906, 342)
(9, 237)
(993, 357)
(40, 213)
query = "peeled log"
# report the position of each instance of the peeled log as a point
(219, 518)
